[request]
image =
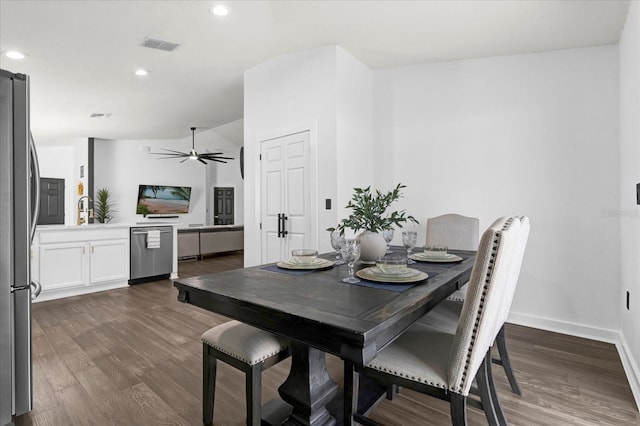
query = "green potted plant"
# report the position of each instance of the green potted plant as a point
(103, 211)
(370, 216)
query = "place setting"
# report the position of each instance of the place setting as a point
(392, 269)
(436, 254)
(389, 273)
(305, 259)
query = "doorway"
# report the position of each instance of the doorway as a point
(223, 205)
(286, 196)
(51, 201)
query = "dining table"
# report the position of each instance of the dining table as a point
(320, 314)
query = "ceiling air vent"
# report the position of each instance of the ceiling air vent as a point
(155, 43)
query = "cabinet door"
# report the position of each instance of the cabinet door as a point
(109, 260)
(188, 244)
(63, 265)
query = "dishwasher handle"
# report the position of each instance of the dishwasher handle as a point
(146, 232)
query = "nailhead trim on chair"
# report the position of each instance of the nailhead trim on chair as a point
(485, 288)
(273, 347)
(259, 360)
(415, 379)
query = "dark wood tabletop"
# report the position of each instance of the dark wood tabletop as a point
(320, 313)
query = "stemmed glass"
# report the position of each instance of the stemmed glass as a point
(350, 253)
(387, 234)
(336, 242)
(409, 239)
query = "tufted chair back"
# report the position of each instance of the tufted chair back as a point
(516, 265)
(491, 287)
(455, 231)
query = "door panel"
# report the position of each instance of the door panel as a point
(223, 210)
(286, 189)
(51, 201)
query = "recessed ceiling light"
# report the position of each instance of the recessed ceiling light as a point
(141, 72)
(100, 115)
(14, 54)
(219, 10)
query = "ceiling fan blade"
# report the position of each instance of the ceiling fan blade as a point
(209, 156)
(173, 156)
(177, 152)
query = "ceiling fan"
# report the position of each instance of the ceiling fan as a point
(193, 154)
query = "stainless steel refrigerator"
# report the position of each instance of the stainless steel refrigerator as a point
(19, 195)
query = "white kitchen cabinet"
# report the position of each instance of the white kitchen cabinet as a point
(109, 260)
(63, 265)
(69, 261)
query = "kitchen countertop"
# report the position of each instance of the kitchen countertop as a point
(101, 226)
(210, 228)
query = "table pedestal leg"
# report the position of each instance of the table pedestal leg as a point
(308, 388)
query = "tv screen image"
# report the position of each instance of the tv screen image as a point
(156, 199)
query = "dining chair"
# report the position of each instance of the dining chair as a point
(246, 348)
(461, 232)
(457, 232)
(444, 364)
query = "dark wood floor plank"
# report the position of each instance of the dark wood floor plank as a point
(153, 408)
(175, 396)
(132, 356)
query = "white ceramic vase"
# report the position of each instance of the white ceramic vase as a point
(372, 246)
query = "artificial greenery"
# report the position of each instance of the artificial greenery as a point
(104, 211)
(369, 211)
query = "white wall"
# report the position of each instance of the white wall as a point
(223, 175)
(529, 134)
(354, 128)
(328, 92)
(59, 162)
(122, 165)
(629, 213)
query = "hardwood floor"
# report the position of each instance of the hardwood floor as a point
(132, 356)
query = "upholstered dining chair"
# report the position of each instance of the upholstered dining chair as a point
(461, 232)
(457, 232)
(246, 348)
(454, 230)
(444, 364)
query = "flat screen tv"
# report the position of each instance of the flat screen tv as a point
(163, 200)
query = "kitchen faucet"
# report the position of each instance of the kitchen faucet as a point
(81, 209)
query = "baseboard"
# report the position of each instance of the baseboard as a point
(631, 368)
(594, 333)
(564, 327)
(79, 290)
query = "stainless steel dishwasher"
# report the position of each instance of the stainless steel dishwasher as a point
(151, 253)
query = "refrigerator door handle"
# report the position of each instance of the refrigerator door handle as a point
(36, 289)
(35, 169)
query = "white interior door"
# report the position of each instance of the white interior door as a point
(286, 213)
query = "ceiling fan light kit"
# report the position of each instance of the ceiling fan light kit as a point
(193, 154)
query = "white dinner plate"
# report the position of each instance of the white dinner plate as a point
(373, 274)
(318, 263)
(447, 258)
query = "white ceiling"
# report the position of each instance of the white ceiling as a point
(81, 55)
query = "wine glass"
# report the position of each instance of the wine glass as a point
(387, 234)
(350, 253)
(409, 239)
(336, 242)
